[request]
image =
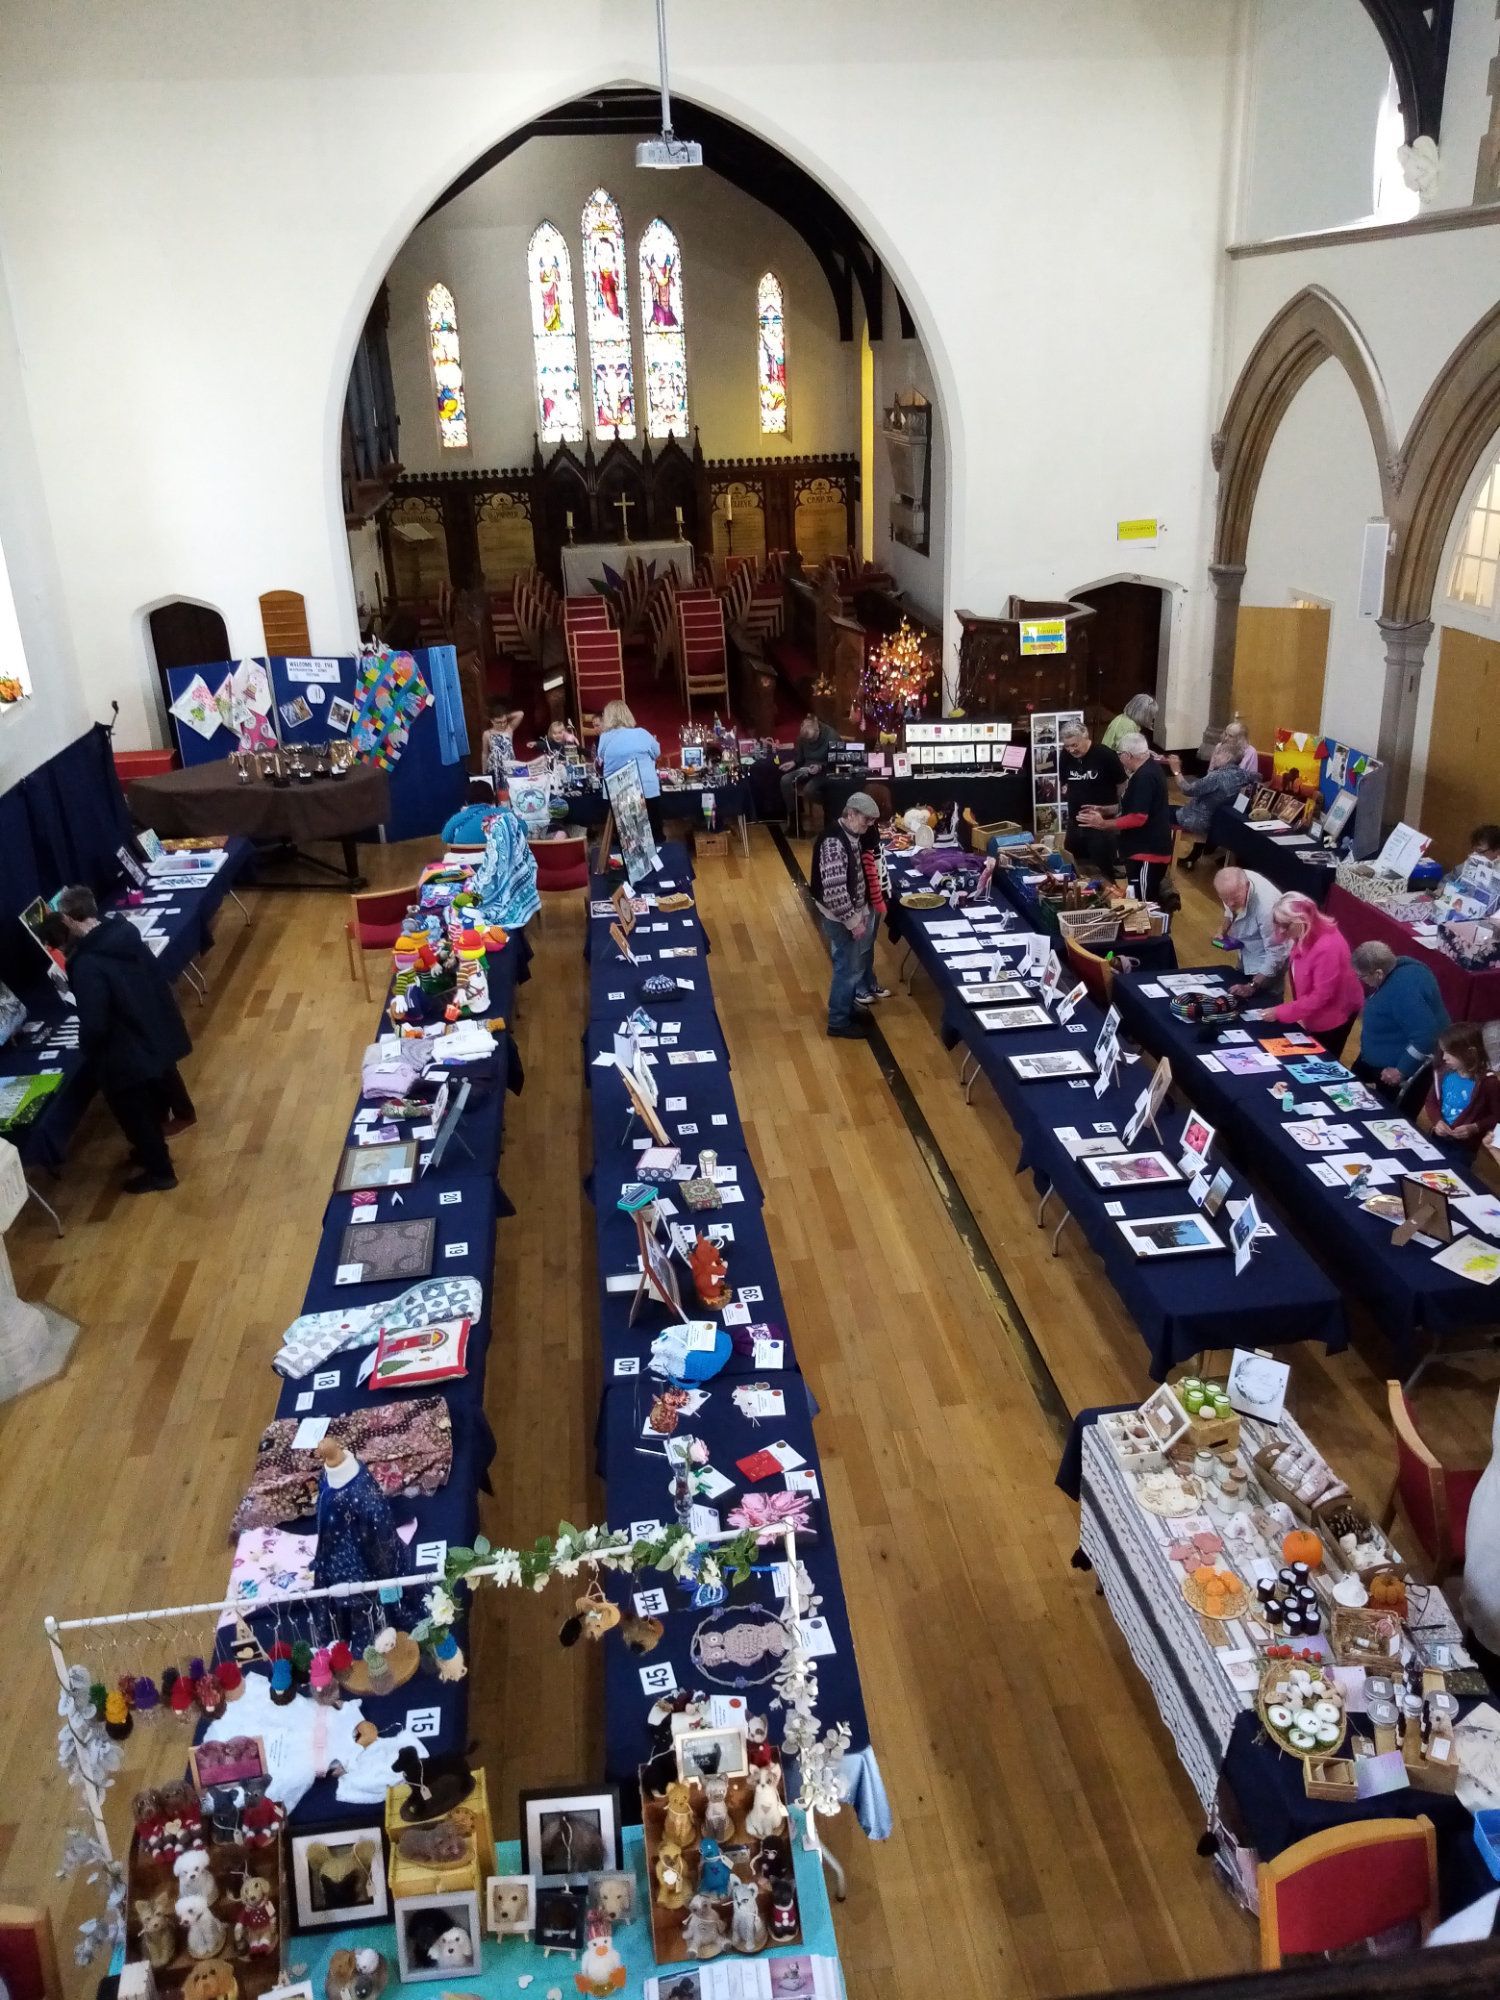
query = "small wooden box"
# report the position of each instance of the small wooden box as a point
(713, 844)
(1211, 1433)
(470, 1871)
(1330, 1778)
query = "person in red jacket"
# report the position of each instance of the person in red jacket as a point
(1464, 1101)
(1326, 990)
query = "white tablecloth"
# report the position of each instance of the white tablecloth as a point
(583, 562)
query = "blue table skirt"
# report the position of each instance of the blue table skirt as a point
(1227, 829)
(1158, 953)
(636, 1476)
(1407, 1294)
(731, 802)
(45, 1141)
(1264, 1797)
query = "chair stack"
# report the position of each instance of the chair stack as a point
(765, 615)
(701, 652)
(594, 659)
(660, 621)
(538, 612)
(742, 573)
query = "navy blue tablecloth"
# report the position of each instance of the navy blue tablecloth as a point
(732, 801)
(1407, 1294)
(637, 1478)
(1010, 883)
(1268, 857)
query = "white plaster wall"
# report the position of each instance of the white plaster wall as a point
(1473, 45)
(476, 245)
(1318, 72)
(901, 366)
(199, 203)
(1319, 487)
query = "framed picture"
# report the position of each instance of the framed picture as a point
(1197, 1137)
(1169, 1235)
(570, 1832)
(562, 1907)
(1426, 1212)
(711, 1753)
(612, 1893)
(1218, 1191)
(228, 1761)
(510, 1905)
(438, 1937)
(1128, 1170)
(998, 1019)
(1337, 816)
(377, 1166)
(378, 1253)
(1049, 1068)
(338, 1877)
(995, 993)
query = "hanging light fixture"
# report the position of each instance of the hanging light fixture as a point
(668, 150)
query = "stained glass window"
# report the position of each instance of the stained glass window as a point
(447, 373)
(605, 274)
(554, 340)
(772, 353)
(664, 338)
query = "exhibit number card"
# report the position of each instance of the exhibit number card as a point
(1257, 1384)
(1068, 1002)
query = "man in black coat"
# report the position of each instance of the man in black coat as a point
(132, 1031)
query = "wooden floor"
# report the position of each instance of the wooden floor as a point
(1045, 1833)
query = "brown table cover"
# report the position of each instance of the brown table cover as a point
(209, 798)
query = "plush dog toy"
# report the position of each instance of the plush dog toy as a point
(355, 1975)
(211, 1979)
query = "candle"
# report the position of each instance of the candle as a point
(728, 506)
(570, 523)
(679, 517)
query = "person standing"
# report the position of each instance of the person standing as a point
(621, 743)
(1138, 716)
(841, 890)
(1326, 993)
(1403, 1017)
(1088, 775)
(1143, 819)
(1250, 929)
(131, 1030)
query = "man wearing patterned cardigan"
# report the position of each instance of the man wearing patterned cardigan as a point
(842, 893)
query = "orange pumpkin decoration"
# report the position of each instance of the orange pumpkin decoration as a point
(1302, 1546)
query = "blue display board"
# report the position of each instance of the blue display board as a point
(316, 680)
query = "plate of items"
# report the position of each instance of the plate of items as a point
(1301, 1705)
(1216, 1593)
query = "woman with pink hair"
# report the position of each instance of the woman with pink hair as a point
(1326, 990)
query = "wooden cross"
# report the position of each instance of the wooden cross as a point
(624, 504)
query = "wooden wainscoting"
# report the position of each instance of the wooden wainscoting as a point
(1460, 790)
(1280, 658)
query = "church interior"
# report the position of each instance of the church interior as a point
(560, 571)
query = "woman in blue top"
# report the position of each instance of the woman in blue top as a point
(620, 742)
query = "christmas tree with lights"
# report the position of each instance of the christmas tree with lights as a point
(896, 678)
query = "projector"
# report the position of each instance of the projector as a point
(668, 151)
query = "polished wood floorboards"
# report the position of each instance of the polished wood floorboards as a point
(1045, 1833)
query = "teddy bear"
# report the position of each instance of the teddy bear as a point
(194, 1875)
(680, 1827)
(211, 1979)
(256, 1932)
(355, 1975)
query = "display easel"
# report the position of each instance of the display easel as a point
(606, 842)
(658, 1279)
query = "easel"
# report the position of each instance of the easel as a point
(606, 842)
(658, 1279)
(642, 1101)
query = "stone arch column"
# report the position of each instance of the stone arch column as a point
(1311, 328)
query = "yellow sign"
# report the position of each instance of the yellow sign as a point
(1044, 635)
(1135, 531)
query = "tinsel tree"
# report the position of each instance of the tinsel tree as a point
(896, 677)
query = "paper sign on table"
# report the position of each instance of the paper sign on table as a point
(311, 1431)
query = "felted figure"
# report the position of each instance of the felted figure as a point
(433, 1938)
(355, 1975)
(158, 1929)
(262, 1819)
(211, 1979)
(356, 1535)
(767, 1814)
(747, 1928)
(710, 1273)
(713, 1870)
(672, 1890)
(603, 1970)
(194, 1875)
(679, 1826)
(256, 1932)
(718, 1821)
(783, 1910)
(703, 1932)
(206, 1935)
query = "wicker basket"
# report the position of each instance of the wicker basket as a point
(1386, 892)
(1321, 1751)
(1089, 927)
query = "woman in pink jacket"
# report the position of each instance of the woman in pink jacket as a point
(1326, 990)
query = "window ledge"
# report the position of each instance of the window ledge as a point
(1436, 221)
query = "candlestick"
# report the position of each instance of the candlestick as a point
(729, 506)
(570, 525)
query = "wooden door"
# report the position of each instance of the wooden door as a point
(1459, 793)
(1280, 658)
(1124, 645)
(186, 635)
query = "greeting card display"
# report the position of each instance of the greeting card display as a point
(1049, 810)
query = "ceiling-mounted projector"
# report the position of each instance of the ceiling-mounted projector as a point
(669, 151)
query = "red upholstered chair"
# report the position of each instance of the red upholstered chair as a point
(1337, 1888)
(28, 1955)
(374, 924)
(561, 864)
(1435, 1497)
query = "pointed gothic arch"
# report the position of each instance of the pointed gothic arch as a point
(1311, 328)
(1449, 437)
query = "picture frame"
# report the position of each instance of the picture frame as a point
(570, 1830)
(1197, 1136)
(1426, 1211)
(510, 1905)
(227, 1761)
(612, 1892)
(421, 1932)
(390, 1165)
(339, 1877)
(1337, 816)
(1000, 1020)
(1055, 1066)
(562, 1907)
(1152, 1236)
(658, 1282)
(1122, 1171)
(1218, 1191)
(996, 993)
(711, 1753)
(644, 1107)
(377, 1253)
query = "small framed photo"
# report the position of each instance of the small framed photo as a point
(1128, 1170)
(996, 1020)
(227, 1761)
(438, 1937)
(1197, 1137)
(300, 1989)
(1169, 1235)
(338, 1878)
(1048, 1068)
(510, 1905)
(562, 1908)
(711, 1753)
(612, 1894)
(573, 1832)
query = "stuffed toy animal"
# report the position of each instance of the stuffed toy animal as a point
(672, 1887)
(703, 1932)
(206, 1935)
(256, 1931)
(603, 1970)
(767, 1814)
(710, 1273)
(680, 1828)
(211, 1979)
(355, 1975)
(194, 1875)
(747, 1928)
(158, 1929)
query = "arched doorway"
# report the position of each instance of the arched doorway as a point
(183, 633)
(1129, 640)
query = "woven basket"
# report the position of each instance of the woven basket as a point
(1089, 927)
(1270, 1669)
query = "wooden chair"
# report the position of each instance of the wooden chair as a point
(1435, 1497)
(374, 924)
(598, 673)
(28, 1954)
(1337, 1888)
(702, 653)
(1097, 974)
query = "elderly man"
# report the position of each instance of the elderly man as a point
(1402, 1019)
(841, 886)
(1248, 901)
(1142, 819)
(1088, 775)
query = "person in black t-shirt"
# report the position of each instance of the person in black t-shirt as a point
(1089, 775)
(1143, 819)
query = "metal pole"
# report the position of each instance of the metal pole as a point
(661, 50)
